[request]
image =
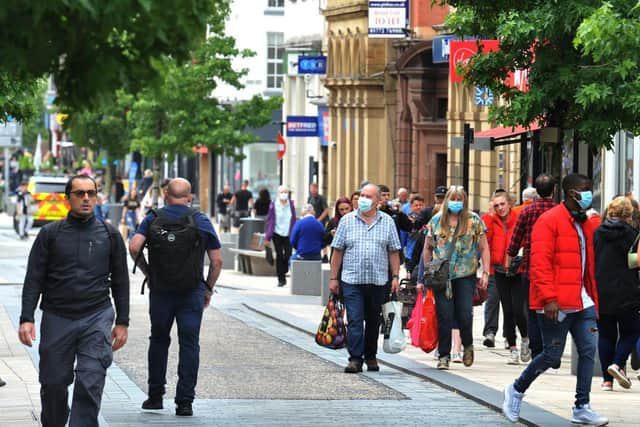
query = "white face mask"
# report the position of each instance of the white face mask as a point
(283, 196)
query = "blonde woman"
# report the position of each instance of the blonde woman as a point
(456, 301)
(618, 292)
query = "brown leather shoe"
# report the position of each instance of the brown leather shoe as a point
(353, 367)
(372, 365)
(467, 357)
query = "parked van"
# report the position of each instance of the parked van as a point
(48, 195)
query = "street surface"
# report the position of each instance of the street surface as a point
(254, 371)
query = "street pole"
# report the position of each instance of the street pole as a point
(6, 178)
(468, 140)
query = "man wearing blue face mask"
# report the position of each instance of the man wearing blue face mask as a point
(563, 293)
(366, 247)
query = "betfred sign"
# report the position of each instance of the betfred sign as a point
(460, 51)
(302, 126)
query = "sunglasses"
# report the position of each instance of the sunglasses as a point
(82, 193)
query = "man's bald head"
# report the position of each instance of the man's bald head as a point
(179, 191)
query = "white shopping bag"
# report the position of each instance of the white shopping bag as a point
(394, 338)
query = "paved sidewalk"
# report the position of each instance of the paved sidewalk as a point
(554, 390)
(548, 402)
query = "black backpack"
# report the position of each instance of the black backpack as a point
(175, 254)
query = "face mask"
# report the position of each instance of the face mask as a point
(364, 204)
(586, 200)
(455, 206)
(283, 196)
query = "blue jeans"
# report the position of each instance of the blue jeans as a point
(613, 348)
(364, 305)
(535, 335)
(583, 327)
(459, 309)
(186, 308)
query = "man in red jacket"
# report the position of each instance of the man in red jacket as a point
(563, 293)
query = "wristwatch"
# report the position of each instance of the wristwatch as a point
(395, 276)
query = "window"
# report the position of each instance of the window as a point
(275, 63)
(275, 3)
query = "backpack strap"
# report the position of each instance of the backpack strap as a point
(154, 212)
(53, 231)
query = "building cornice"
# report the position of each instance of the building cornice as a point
(355, 8)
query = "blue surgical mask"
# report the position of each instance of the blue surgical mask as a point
(455, 206)
(364, 204)
(586, 199)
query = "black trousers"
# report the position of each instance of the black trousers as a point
(283, 253)
(87, 341)
(514, 299)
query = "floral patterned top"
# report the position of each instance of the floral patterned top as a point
(464, 259)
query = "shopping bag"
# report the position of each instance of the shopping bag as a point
(413, 324)
(429, 324)
(394, 339)
(332, 331)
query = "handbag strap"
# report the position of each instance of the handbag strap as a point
(635, 242)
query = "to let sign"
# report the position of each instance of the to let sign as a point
(388, 19)
(302, 126)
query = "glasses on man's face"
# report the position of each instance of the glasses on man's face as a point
(81, 193)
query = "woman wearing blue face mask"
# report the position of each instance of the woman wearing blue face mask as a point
(455, 219)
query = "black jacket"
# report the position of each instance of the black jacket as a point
(73, 264)
(618, 286)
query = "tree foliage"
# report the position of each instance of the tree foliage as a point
(582, 57)
(93, 47)
(180, 113)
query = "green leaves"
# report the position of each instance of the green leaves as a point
(583, 58)
(94, 47)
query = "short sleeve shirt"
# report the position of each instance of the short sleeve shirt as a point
(464, 259)
(319, 204)
(366, 248)
(242, 200)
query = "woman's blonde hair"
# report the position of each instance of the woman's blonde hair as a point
(463, 216)
(620, 207)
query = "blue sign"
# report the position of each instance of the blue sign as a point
(302, 126)
(484, 97)
(133, 171)
(440, 49)
(312, 64)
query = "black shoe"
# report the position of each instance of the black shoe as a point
(281, 284)
(2, 382)
(152, 403)
(184, 409)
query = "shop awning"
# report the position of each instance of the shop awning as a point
(506, 133)
(487, 139)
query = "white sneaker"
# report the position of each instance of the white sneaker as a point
(525, 351)
(587, 416)
(456, 357)
(512, 403)
(514, 358)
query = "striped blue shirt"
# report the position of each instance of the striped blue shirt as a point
(366, 248)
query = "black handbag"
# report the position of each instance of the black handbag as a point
(436, 272)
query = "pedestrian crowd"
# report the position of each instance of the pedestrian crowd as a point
(551, 268)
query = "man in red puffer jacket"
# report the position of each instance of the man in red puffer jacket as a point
(563, 293)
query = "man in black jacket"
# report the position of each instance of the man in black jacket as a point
(73, 265)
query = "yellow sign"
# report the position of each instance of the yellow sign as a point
(60, 118)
